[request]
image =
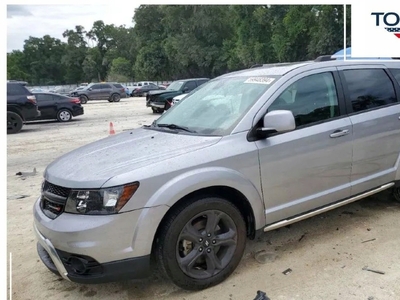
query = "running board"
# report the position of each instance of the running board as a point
(326, 208)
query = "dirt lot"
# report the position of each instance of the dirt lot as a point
(326, 253)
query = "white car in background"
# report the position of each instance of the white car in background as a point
(178, 98)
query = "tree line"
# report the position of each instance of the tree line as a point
(168, 42)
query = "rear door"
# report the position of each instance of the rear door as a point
(47, 106)
(106, 91)
(372, 100)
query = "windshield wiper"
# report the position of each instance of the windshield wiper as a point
(174, 126)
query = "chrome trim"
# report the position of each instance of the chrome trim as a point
(48, 246)
(326, 208)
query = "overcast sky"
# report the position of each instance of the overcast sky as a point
(38, 20)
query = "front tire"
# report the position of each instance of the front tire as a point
(201, 243)
(14, 123)
(396, 193)
(64, 115)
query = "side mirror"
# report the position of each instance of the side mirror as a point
(185, 89)
(89, 89)
(277, 121)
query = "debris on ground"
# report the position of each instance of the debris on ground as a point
(287, 271)
(26, 174)
(373, 271)
(16, 197)
(261, 296)
(368, 241)
(302, 237)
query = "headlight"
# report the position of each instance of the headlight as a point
(100, 202)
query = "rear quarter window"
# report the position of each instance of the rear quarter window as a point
(396, 74)
(17, 89)
(117, 85)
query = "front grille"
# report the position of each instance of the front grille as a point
(53, 199)
(56, 189)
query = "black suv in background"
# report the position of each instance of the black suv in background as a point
(111, 91)
(160, 101)
(21, 106)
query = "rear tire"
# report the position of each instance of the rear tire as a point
(14, 123)
(115, 98)
(83, 99)
(64, 115)
(201, 242)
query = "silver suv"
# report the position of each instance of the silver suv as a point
(248, 152)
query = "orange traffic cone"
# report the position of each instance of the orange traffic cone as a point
(112, 131)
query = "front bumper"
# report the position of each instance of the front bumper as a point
(78, 111)
(156, 105)
(95, 249)
(83, 269)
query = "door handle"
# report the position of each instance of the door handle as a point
(339, 133)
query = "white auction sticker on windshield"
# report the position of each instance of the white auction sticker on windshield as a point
(261, 80)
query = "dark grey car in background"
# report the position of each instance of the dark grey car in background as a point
(111, 91)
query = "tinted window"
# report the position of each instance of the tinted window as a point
(16, 89)
(369, 88)
(117, 85)
(190, 85)
(44, 97)
(96, 87)
(310, 99)
(396, 74)
(106, 86)
(200, 82)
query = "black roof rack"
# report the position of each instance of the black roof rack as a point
(324, 58)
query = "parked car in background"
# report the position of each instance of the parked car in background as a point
(161, 100)
(142, 91)
(143, 83)
(111, 91)
(56, 106)
(61, 90)
(37, 90)
(176, 99)
(248, 152)
(21, 106)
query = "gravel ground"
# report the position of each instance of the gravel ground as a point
(326, 254)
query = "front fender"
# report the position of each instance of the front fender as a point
(186, 183)
(174, 190)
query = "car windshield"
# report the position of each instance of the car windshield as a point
(175, 86)
(216, 107)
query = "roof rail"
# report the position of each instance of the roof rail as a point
(324, 58)
(256, 66)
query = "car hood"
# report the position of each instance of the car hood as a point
(92, 165)
(159, 92)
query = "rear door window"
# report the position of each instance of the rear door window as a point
(369, 89)
(44, 98)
